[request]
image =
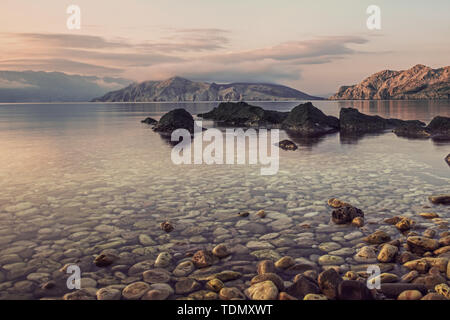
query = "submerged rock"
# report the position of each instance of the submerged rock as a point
(287, 145)
(412, 131)
(346, 214)
(167, 226)
(149, 120)
(440, 199)
(175, 119)
(307, 120)
(417, 244)
(353, 290)
(378, 237)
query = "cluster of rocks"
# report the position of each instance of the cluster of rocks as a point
(437, 129)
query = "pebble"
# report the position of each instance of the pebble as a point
(108, 294)
(183, 269)
(265, 290)
(163, 260)
(327, 259)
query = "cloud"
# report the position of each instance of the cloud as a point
(15, 84)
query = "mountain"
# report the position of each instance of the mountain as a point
(180, 89)
(32, 86)
(419, 82)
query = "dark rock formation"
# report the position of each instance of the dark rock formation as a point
(440, 199)
(287, 145)
(354, 122)
(307, 120)
(419, 82)
(439, 128)
(243, 114)
(412, 131)
(149, 120)
(302, 286)
(175, 119)
(346, 214)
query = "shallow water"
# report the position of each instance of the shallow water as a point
(76, 179)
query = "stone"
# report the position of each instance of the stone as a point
(440, 199)
(346, 214)
(286, 296)
(429, 215)
(441, 250)
(261, 214)
(443, 289)
(173, 120)
(243, 214)
(312, 296)
(104, 260)
(366, 255)
(410, 295)
(183, 269)
(108, 294)
(202, 259)
(135, 291)
(287, 145)
(163, 260)
(387, 253)
(433, 296)
(186, 285)
(393, 290)
(285, 262)
(214, 285)
(447, 159)
(265, 290)
(156, 276)
(227, 275)
(393, 220)
(145, 240)
(329, 281)
(410, 276)
(302, 286)
(149, 120)
(167, 226)
(266, 266)
(439, 128)
(378, 237)
(269, 277)
(154, 294)
(231, 293)
(81, 294)
(418, 244)
(404, 224)
(353, 290)
(358, 222)
(327, 260)
(221, 251)
(336, 203)
(444, 241)
(257, 245)
(329, 246)
(412, 131)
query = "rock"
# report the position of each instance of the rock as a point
(443, 289)
(183, 269)
(243, 114)
(410, 295)
(186, 285)
(448, 270)
(265, 290)
(269, 277)
(227, 275)
(439, 128)
(154, 294)
(173, 120)
(286, 296)
(420, 245)
(312, 296)
(358, 222)
(287, 145)
(345, 215)
(353, 290)
(104, 260)
(442, 250)
(203, 295)
(231, 293)
(404, 224)
(202, 259)
(440, 199)
(329, 281)
(149, 120)
(447, 159)
(410, 276)
(329, 246)
(434, 296)
(302, 286)
(261, 214)
(300, 268)
(214, 285)
(366, 255)
(108, 294)
(156, 276)
(266, 266)
(285, 262)
(336, 203)
(135, 291)
(412, 131)
(444, 241)
(81, 294)
(145, 240)
(163, 260)
(393, 290)
(378, 237)
(429, 215)
(221, 251)
(387, 278)
(167, 226)
(243, 214)
(393, 220)
(387, 253)
(328, 259)
(307, 120)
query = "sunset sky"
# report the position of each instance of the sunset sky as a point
(314, 46)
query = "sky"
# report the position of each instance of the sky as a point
(313, 46)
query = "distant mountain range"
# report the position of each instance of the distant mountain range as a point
(180, 89)
(419, 82)
(31, 86)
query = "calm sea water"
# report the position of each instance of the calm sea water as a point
(79, 178)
